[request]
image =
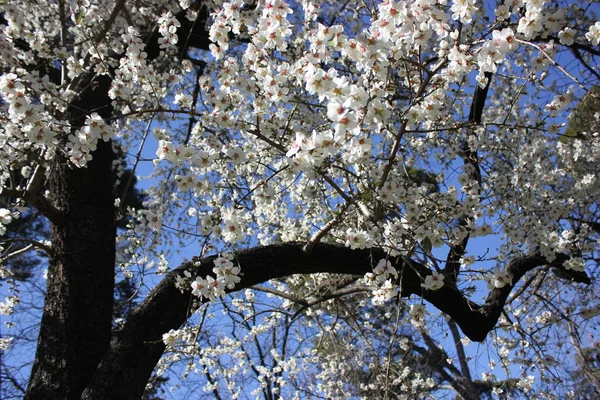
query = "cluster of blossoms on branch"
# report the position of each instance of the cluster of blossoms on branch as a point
(359, 95)
(312, 121)
(226, 275)
(6, 217)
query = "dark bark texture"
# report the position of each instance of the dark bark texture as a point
(476, 111)
(76, 324)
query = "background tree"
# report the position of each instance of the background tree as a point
(314, 139)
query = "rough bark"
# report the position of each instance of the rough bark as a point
(76, 323)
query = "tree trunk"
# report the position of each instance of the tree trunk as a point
(75, 329)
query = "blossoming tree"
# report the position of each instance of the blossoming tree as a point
(405, 154)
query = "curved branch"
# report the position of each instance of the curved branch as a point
(31, 244)
(133, 354)
(37, 201)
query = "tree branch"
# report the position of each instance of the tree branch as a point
(31, 243)
(38, 201)
(460, 354)
(125, 369)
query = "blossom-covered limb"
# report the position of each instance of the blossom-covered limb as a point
(166, 307)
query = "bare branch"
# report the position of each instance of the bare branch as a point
(31, 244)
(325, 229)
(460, 353)
(15, 253)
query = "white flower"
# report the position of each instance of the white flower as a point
(575, 264)
(567, 36)
(200, 288)
(232, 230)
(386, 292)
(526, 383)
(5, 216)
(498, 279)
(417, 314)
(370, 279)
(170, 338)
(154, 221)
(183, 100)
(587, 179)
(300, 143)
(463, 10)
(7, 306)
(237, 155)
(433, 282)
(181, 282)
(594, 34)
(321, 82)
(4, 342)
(226, 271)
(216, 287)
(337, 109)
(167, 27)
(384, 269)
(165, 150)
(204, 158)
(358, 239)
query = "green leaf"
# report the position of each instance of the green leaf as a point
(426, 244)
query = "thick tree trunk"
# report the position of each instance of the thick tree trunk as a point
(76, 325)
(75, 330)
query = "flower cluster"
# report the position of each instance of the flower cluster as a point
(28, 121)
(6, 217)
(7, 307)
(358, 239)
(532, 22)
(233, 230)
(384, 271)
(352, 131)
(387, 291)
(226, 276)
(494, 51)
(84, 141)
(417, 315)
(575, 264)
(167, 27)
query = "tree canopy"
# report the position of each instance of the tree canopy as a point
(302, 199)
